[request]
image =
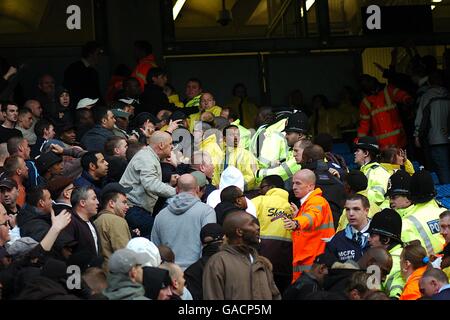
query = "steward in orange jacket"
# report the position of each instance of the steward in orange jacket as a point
(313, 224)
(143, 67)
(379, 115)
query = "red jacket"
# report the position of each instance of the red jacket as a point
(141, 70)
(379, 117)
(315, 224)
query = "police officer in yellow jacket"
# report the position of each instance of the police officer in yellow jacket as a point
(296, 130)
(276, 241)
(422, 222)
(385, 231)
(366, 151)
(269, 144)
(238, 157)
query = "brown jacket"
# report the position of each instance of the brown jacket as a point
(113, 233)
(229, 275)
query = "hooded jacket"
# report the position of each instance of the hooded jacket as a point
(94, 139)
(231, 176)
(120, 287)
(33, 222)
(178, 227)
(276, 241)
(210, 145)
(194, 274)
(231, 275)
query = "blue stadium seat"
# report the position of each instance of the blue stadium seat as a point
(443, 191)
(341, 148)
(445, 202)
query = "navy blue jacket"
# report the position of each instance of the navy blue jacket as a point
(343, 247)
(443, 295)
(86, 180)
(94, 139)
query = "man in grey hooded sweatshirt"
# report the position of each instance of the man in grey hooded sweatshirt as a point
(178, 225)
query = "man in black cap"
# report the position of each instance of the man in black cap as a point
(296, 130)
(49, 165)
(211, 236)
(366, 152)
(422, 221)
(9, 193)
(385, 231)
(398, 192)
(111, 225)
(61, 188)
(311, 281)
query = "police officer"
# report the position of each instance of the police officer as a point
(422, 222)
(385, 231)
(296, 129)
(398, 192)
(366, 151)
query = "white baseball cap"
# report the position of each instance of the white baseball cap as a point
(86, 102)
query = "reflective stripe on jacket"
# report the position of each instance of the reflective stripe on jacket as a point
(422, 223)
(377, 182)
(379, 117)
(315, 225)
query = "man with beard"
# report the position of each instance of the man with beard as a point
(255, 279)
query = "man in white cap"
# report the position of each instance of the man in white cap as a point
(87, 103)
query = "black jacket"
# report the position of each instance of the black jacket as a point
(78, 236)
(302, 287)
(33, 222)
(95, 138)
(81, 81)
(116, 168)
(194, 273)
(153, 100)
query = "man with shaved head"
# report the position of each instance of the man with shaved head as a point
(144, 175)
(377, 256)
(178, 225)
(312, 224)
(238, 272)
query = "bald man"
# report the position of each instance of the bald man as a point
(312, 224)
(377, 256)
(143, 174)
(237, 272)
(178, 225)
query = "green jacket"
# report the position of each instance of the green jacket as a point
(120, 287)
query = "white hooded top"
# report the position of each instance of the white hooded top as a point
(141, 244)
(231, 176)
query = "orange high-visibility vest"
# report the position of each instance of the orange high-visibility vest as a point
(141, 70)
(411, 289)
(315, 225)
(379, 117)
